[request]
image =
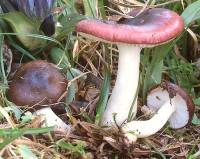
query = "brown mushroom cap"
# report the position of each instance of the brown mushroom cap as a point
(183, 102)
(151, 27)
(36, 82)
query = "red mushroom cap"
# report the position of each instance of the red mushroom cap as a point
(35, 83)
(151, 27)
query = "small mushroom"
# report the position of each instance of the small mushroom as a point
(150, 28)
(38, 83)
(171, 103)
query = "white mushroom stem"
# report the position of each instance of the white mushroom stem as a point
(125, 87)
(142, 129)
(51, 119)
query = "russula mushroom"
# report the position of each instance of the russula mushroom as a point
(150, 28)
(171, 103)
(38, 83)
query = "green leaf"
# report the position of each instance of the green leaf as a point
(152, 71)
(2, 69)
(104, 93)
(9, 138)
(26, 153)
(14, 109)
(20, 49)
(60, 58)
(196, 155)
(101, 7)
(76, 148)
(156, 73)
(196, 120)
(26, 118)
(132, 112)
(68, 24)
(90, 7)
(33, 131)
(9, 134)
(36, 36)
(197, 101)
(191, 13)
(21, 24)
(73, 88)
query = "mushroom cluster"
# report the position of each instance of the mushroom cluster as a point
(170, 103)
(37, 84)
(147, 29)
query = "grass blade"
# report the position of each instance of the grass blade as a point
(2, 69)
(191, 13)
(20, 49)
(90, 8)
(103, 98)
(11, 134)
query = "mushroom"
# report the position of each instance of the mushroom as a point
(150, 28)
(38, 83)
(171, 103)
